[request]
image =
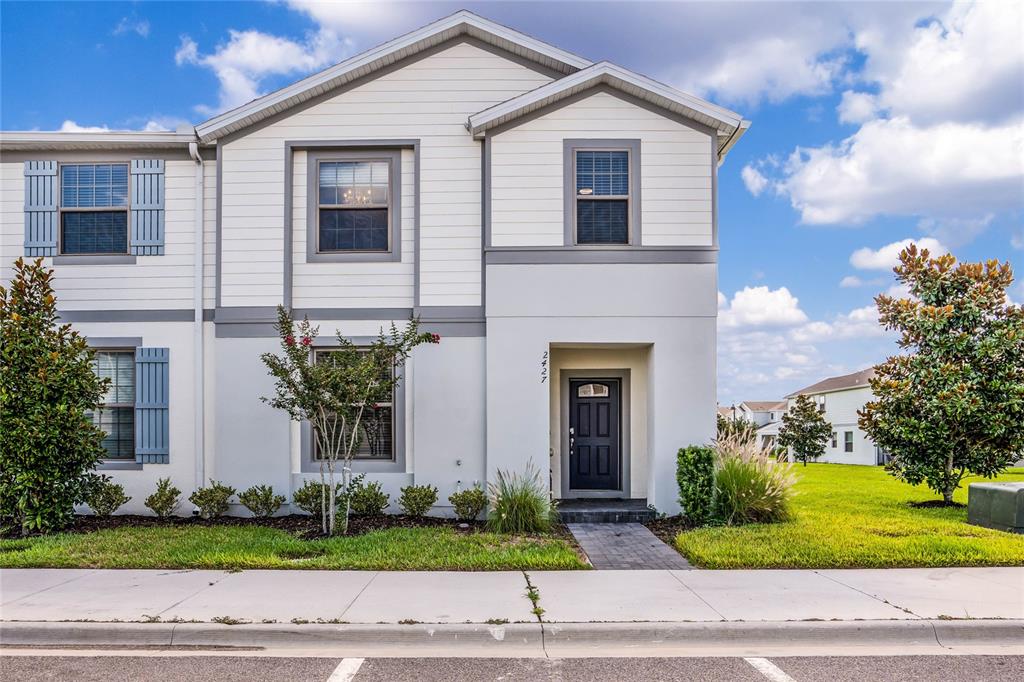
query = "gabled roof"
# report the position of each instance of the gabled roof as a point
(765, 405)
(840, 383)
(462, 23)
(728, 124)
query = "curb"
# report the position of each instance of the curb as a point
(523, 638)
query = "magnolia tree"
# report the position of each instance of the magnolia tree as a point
(953, 402)
(49, 446)
(804, 430)
(338, 394)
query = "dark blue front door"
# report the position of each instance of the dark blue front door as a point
(594, 434)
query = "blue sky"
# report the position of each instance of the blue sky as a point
(873, 123)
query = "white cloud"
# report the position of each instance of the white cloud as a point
(249, 57)
(1017, 241)
(158, 124)
(761, 307)
(887, 257)
(891, 166)
(857, 107)
(753, 179)
(69, 126)
(132, 25)
(940, 103)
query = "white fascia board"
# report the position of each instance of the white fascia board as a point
(460, 23)
(725, 120)
(35, 139)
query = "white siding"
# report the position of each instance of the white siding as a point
(841, 412)
(428, 100)
(154, 282)
(527, 168)
(353, 285)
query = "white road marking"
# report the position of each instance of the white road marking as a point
(769, 670)
(346, 670)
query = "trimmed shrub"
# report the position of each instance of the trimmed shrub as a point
(212, 500)
(416, 500)
(751, 486)
(520, 503)
(261, 501)
(165, 500)
(307, 498)
(695, 475)
(468, 503)
(106, 497)
(367, 499)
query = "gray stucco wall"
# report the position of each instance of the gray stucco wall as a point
(672, 308)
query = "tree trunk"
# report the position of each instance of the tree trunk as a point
(947, 491)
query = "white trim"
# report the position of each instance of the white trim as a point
(462, 22)
(726, 122)
(11, 140)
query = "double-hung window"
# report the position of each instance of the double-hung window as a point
(376, 428)
(355, 205)
(94, 208)
(602, 196)
(116, 415)
(848, 441)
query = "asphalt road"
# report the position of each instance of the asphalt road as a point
(272, 669)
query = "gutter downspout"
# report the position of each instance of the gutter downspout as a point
(198, 344)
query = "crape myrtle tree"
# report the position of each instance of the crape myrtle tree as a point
(337, 394)
(805, 430)
(952, 403)
(49, 446)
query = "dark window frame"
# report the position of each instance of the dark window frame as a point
(392, 404)
(313, 161)
(570, 147)
(63, 210)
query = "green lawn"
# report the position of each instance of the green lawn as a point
(849, 516)
(250, 547)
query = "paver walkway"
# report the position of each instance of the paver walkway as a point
(625, 546)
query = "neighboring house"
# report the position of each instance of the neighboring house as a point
(839, 398)
(762, 412)
(552, 218)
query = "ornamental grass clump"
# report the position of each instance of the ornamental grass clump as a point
(520, 503)
(751, 486)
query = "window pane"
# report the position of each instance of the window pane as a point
(94, 232)
(602, 173)
(361, 183)
(602, 222)
(94, 185)
(116, 415)
(592, 391)
(354, 229)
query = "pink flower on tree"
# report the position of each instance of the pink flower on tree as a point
(435, 338)
(306, 341)
(289, 340)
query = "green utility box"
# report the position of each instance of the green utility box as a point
(996, 505)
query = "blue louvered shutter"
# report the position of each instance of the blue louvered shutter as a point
(40, 208)
(147, 207)
(152, 424)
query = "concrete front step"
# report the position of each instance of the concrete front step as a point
(604, 511)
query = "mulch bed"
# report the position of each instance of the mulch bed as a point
(299, 525)
(666, 529)
(929, 504)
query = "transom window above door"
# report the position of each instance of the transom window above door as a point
(353, 205)
(94, 208)
(592, 391)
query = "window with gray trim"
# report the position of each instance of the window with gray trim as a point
(848, 441)
(602, 192)
(93, 208)
(376, 427)
(116, 415)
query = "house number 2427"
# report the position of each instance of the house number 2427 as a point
(544, 367)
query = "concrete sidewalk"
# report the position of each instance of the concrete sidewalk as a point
(285, 597)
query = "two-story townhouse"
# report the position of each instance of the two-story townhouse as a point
(553, 219)
(839, 398)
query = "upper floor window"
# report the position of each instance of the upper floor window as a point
(354, 201)
(602, 197)
(94, 208)
(116, 415)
